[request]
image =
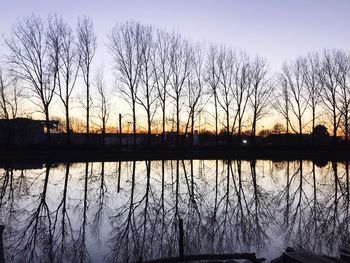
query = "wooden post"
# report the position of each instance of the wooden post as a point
(181, 239)
(2, 254)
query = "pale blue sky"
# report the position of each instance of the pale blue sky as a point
(275, 29)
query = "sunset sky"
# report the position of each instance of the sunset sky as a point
(274, 29)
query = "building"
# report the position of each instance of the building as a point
(24, 131)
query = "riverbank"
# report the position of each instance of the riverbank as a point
(80, 154)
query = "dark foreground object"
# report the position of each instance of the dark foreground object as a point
(247, 256)
(2, 255)
(305, 256)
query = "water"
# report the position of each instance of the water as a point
(127, 211)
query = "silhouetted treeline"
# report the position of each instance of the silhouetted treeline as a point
(169, 82)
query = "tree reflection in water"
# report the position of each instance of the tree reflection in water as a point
(130, 211)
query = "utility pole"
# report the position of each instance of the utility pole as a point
(120, 129)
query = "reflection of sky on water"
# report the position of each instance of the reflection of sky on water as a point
(129, 210)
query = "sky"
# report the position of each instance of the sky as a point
(277, 30)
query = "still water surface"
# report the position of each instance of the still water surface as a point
(127, 211)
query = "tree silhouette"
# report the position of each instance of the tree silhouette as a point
(33, 57)
(86, 44)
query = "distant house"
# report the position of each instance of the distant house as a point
(23, 131)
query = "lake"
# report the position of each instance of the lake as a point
(125, 211)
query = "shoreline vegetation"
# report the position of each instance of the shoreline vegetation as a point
(75, 153)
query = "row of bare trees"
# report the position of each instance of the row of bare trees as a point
(157, 69)
(172, 83)
(314, 85)
(46, 58)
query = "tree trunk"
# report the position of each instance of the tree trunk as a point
(177, 123)
(239, 134)
(47, 121)
(149, 130)
(192, 129)
(87, 115)
(68, 125)
(346, 126)
(228, 126)
(300, 132)
(216, 118)
(334, 139)
(313, 126)
(254, 129)
(104, 132)
(163, 124)
(134, 123)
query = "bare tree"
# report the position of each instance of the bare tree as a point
(261, 91)
(31, 60)
(241, 89)
(68, 67)
(195, 90)
(281, 101)
(162, 70)
(181, 57)
(343, 79)
(328, 75)
(211, 77)
(103, 103)
(10, 95)
(125, 45)
(86, 49)
(310, 70)
(4, 103)
(225, 63)
(147, 95)
(292, 77)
